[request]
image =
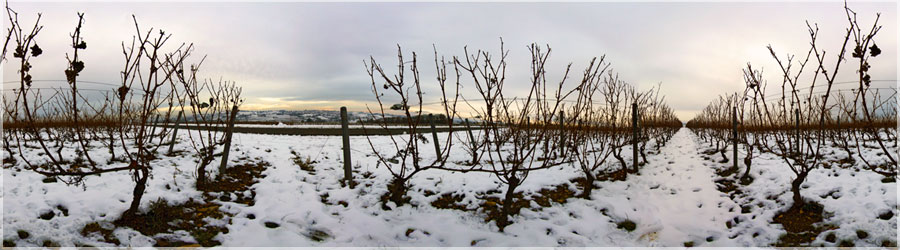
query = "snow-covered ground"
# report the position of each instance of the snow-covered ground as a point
(854, 199)
(673, 201)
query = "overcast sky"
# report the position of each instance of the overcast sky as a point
(310, 55)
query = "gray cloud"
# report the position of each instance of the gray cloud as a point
(315, 51)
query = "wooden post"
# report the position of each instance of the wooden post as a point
(797, 116)
(562, 136)
(634, 136)
(469, 131)
(175, 132)
(437, 146)
(162, 131)
(345, 136)
(153, 128)
(228, 131)
(164, 128)
(734, 137)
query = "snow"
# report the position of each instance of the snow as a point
(673, 200)
(858, 197)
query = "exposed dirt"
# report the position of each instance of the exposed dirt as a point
(234, 181)
(802, 224)
(492, 202)
(628, 225)
(9, 162)
(726, 172)
(727, 183)
(558, 194)
(305, 163)
(162, 219)
(618, 175)
(450, 201)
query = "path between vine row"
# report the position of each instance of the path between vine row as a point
(675, 198)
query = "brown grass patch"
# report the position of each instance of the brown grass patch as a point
(559, 194)
(305, 163)
(163, 219)
(236, 180)
(492, 202)
(800, 224)
(450, 201)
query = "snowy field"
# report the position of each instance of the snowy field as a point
(674, 201)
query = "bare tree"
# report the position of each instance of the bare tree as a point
(513, 139)
(406, 85)
(210, 106)
(795, 126)
(864, 49)
(590, 143)
(615, 95)
(146, 79)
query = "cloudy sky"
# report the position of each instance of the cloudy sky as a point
(310, 55)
